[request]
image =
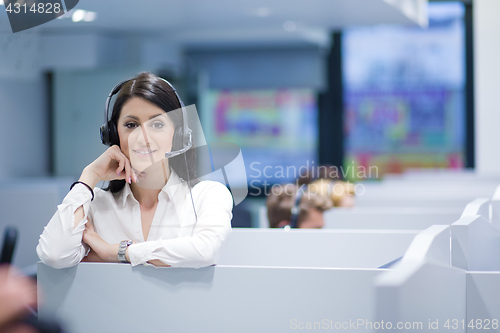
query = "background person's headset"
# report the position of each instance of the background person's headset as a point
(294, 218)
(182, 140)
(181, 143)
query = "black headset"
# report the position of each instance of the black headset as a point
(182, 140)
(296, 209)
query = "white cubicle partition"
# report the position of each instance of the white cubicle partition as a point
(253, 295)
(120, 298)
(316, 248)
(423, 291)
(419, 193)
(475, 244)
(495, 208)
(410, 218)
(483, 301)
(393, 201)
(416, 218)
(476, 247)
(232, 298)
(440, 175)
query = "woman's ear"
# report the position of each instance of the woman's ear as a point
(283, 223)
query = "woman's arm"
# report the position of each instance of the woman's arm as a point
(60, 244)
(204, 246)
(200, 250)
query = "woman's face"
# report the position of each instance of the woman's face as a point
(145, 133)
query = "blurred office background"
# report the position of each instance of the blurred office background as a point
(394, 84)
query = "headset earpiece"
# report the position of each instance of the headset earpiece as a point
(177, 142)
(113, 133)
(109, 134)
(104, 134)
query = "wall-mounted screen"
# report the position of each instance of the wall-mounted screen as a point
(404, 93)
(276, 129)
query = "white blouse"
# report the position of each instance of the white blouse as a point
(176, 237)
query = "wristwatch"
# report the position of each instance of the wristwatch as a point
(122, 249)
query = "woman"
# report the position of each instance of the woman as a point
(149, 214)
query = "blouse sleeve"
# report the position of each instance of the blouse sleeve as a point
(60, 244)
(201, 249)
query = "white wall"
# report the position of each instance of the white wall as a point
(23, 104)
(487, 85)
(24, 135)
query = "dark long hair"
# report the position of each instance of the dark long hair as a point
(153, 89)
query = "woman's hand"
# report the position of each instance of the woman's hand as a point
(101, 251)
(111, 165)
(92, 257)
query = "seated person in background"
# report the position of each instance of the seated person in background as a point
(341, 193)
(325, 180)
(308, 211)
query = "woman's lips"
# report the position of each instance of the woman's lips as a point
(144, 153)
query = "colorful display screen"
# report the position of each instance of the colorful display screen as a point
(404, 93)
(276, 129)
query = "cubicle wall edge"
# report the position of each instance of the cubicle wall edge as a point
(423, 289)
(475, 244)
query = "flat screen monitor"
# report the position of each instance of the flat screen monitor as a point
(275, 128)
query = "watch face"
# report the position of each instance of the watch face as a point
(122, 248)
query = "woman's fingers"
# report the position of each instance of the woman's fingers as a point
(89, 226)
(124, 170)
(121, 165)
(128, 170)
(129, 175)
(133, 174)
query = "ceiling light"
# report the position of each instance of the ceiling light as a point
(78, 15)
(263, 12)
(289, 26)
(90, 16)
(259, 12)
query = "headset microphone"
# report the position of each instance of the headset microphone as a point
(183, 150)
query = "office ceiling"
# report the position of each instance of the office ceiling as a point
(208, 21)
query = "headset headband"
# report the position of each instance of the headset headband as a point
(295, 209)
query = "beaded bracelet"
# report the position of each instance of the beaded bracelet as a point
(90, 189)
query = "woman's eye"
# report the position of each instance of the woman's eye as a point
(157, 125)
(130, 125)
